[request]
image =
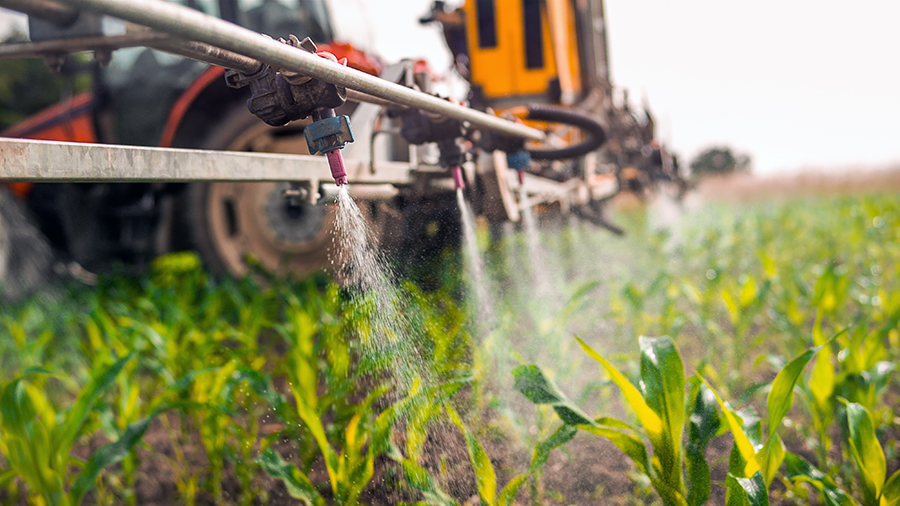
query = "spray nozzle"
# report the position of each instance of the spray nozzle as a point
(458, 180)
(328, 134)
(336, 164)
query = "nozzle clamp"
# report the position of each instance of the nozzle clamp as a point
(519, 160)
(328, 134)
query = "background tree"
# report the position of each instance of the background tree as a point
(719, 160)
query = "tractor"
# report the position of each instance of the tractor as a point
(540, 62)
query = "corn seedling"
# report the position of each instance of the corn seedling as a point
(36, 439)
(875, 487)
(659, 405)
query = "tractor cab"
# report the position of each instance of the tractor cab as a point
(139, 76)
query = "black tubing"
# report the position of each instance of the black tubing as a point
(586, 122)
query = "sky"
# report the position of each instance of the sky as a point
(796, 84)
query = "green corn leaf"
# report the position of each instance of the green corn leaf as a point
(420, 479)
(770, 457)
(263, 387)
(28, 451)
(662, 385)
(605, 421)
(298, 484)
(303, 374)
(703, 427)
(799, 470)
(16, 409)
(76, 416)
(748, 293)
(651, 422)
(753, 429)
(542, 450)
(107, 455)
(507, 496)
(781, 395)
(753, 426)
(537, 388)
(890, 494)
(734, 311)
(821, 384)
(485, 478)
(741, 442)
(7, 476)
(747, 491)
(866, 452)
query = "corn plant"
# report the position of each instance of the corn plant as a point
(37, 438)
(664, 389)
(344, 430)
(659, 405)
(433, 404)
(757, 453)
(858, 372)
(875, 487)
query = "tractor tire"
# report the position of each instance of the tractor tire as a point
(234, 226)
(26, 259)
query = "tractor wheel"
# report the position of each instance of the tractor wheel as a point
(26, 259)
(235, 225)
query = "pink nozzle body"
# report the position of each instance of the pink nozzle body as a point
(336, 163)
(521, 174)
(458, 178)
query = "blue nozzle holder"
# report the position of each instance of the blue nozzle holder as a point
(519, 160)
(328, 134)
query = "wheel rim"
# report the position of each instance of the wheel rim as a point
(251, 223)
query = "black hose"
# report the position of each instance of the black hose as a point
(586, 122)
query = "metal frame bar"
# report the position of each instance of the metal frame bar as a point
(40, 49)
(51, 161)
(196, 26)
(44, 9)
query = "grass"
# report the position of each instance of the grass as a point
(249, 391)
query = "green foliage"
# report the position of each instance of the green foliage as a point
(875, 488)
(268, 379)
(37, 438)
(485, 476)
(660, 406)
(719, 160)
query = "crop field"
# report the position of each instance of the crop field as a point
(746, 355)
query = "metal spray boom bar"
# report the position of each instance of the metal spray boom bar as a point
(52, 161)
(194, 25)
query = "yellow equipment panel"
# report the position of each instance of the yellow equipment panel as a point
(511, 50)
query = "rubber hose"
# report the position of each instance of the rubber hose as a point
(586, 122)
